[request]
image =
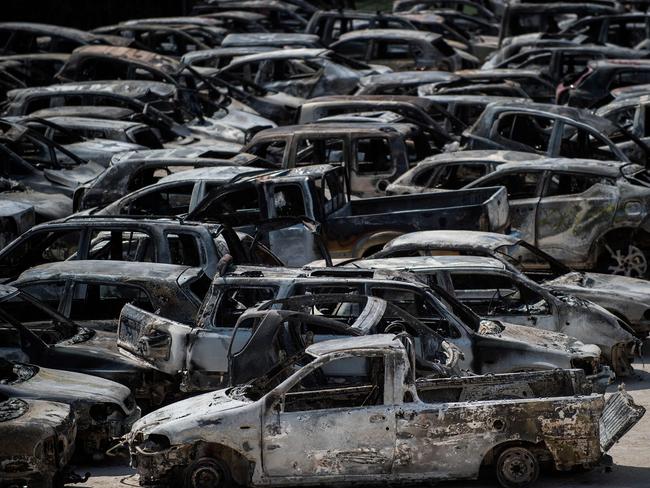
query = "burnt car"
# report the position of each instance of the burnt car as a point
(277, 16)
(211, 112)
(292, 407)
(329, 25)
(587, 214)
(16, 217)
(92, 292)
(349, 227)
(63, 128)
(526, 83)
(629, 29)
(159, 105)
(38, 441)
(30, 38)
(401, 82)
(92, 149)
(592, 87)
(302, 73)
(465, 108)
(363, 306)
(630, 113)
(220, 57)
(104, 410)
(555, 131)
(403, 50)
(273, 40)
(372, 154)
(623, 296)
(175, 194)
(126, 239)
(563, 64)
(131, 174)
(239, 20)
(454, 170)
(24, 70)
(497, 292)
(34, 333)
(262, 338)
(417, 110)
(173, 40)
(522, 18)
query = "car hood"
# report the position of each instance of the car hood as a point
(538, 338)
(609, 285)
(69, 387)
(75, 176)
(190, 412)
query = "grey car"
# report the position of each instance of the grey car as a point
(586, 214)
(625, 297)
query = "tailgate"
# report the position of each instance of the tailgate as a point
(619, 415)
(159, 341)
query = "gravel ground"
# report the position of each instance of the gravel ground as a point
(631, 456)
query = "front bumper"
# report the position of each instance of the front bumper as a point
(159, 467)
(99, 436)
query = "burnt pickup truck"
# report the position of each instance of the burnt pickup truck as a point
(350, 228)
(351, 411)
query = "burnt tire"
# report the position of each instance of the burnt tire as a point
(207, 473)
(624, 258)
(517, 467)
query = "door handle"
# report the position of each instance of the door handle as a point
(375, 419)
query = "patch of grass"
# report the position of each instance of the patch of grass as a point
(375, 5)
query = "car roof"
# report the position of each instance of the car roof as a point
(407, 77)
(214, 173)
(575, 114)
(421, 263)
(128, 88)
(493, 155)
(378, 342)
(391, 34)
(436, 239)
(104, 270)
(589, 166)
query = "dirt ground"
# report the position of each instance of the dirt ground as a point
(631, 456)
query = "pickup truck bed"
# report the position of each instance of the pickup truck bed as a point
(478, 209)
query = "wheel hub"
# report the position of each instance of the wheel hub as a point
(628, 262)
(519, 467)
(206, 477)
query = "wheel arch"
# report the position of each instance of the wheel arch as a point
(241, 468)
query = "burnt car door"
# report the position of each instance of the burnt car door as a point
(523, 197)
(574, 211)
(325, 418)
(373, 165)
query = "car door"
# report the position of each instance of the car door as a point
(499, 296)
(575, 209)
(328, 425)
(523, 197)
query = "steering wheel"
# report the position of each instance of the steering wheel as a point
(497, 294)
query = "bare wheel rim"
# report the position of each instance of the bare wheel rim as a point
(627, 262)
(518, 467)
(206, 476)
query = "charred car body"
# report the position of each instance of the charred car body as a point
(104, 410)
(625, 297)
(175, 443)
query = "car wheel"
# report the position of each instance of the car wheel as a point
(517, 467)
(625, 258)
(207, 473)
